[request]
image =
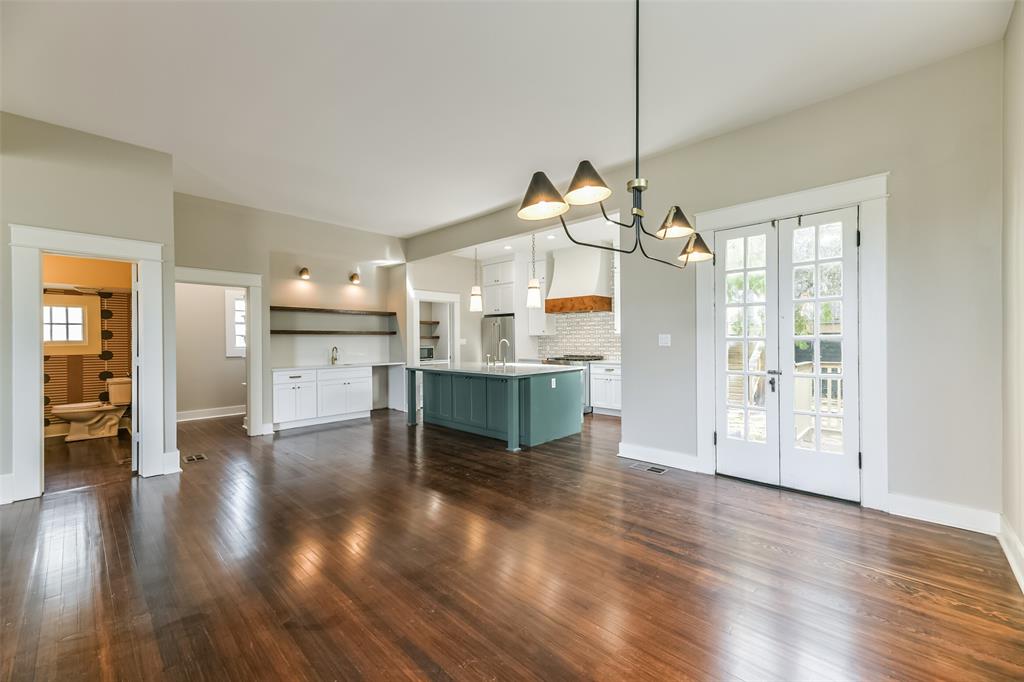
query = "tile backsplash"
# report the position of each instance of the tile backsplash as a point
(582, 333)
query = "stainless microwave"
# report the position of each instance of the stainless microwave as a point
(426, 353)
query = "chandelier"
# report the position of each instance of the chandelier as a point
(542, 200)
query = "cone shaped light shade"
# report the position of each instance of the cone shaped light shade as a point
(476, 299)
(696, 251)
(675, 226)
(542, 200)
(586, 187)
(533, 294)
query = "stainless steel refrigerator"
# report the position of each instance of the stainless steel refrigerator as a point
(494, 329)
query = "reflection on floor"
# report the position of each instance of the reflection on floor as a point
(86, 462)
(370, 550)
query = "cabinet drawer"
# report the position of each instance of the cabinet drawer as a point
(344, 373)
(605, 370)
(295, 376)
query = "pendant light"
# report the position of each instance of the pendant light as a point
(542, 200)
(476, 298)
(533, 287)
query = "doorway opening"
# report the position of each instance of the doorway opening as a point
(89, 397)
(211, 336)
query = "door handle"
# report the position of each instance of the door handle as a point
(771, 382)
(775, 372)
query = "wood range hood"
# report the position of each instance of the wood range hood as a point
(580, 282)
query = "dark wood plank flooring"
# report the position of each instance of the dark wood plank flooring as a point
(373, 551)
(83, 463)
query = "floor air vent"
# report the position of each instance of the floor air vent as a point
(645, 466)
(195, 458)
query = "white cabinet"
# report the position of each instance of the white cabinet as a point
(294, 401)
(499, 273)
(326, 394)
(540, 323)
(606, 387)
(499, 299)
(344, 391)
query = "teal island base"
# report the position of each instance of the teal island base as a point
(521, 405)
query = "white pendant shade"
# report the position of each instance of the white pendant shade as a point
(476, 299)
(533, 294)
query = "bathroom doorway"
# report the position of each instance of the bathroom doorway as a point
(88, 333)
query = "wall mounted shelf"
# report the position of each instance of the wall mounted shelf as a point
(430, 337)
(332, 311)
(332, 332)
(429, 322)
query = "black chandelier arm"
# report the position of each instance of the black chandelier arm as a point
(568, 234)
(627, 226)
(655, 258)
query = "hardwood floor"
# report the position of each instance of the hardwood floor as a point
(373, 551)
(86, 462)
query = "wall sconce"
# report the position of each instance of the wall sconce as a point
(304, 273)
(354, 278)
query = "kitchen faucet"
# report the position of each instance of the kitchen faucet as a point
(334, 355)
(503, 359)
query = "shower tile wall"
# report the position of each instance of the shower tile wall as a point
(582, 333)
(82, 378)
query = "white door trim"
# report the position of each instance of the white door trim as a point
(871, 194)
(253, 285)
(423, 296)
(27, 246)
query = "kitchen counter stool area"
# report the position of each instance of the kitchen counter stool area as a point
(520, 404)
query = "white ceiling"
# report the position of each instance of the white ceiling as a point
(594, 230)
(397, 117)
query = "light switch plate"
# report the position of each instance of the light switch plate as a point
(552, 382)
(664, 340)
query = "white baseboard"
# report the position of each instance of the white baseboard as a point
(669, 458)
(1013, 549)
(317, 421)
(211, 413)
(607, 412)
(6, 485)
(945, 513)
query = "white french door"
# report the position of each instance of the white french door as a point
(747, 319)
(804, 383)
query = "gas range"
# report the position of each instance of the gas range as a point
(567, 358)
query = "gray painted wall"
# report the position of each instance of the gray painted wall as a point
(222, 236)
(944, 153)
(1013, 266)
(65, 179)
(207, 378)
(451, 274)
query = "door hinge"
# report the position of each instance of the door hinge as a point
(858, 237)
(714, 438)
(860, 460)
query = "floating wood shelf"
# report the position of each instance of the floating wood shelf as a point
(429, 322)
(333, 311)
(332, 332)
(430, 337)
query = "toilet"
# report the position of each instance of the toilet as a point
(97, 419)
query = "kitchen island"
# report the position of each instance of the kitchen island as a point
(518, 403)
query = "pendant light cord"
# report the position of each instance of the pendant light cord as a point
(636, 100)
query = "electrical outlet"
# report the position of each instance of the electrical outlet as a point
(664, 340)
(552, 382)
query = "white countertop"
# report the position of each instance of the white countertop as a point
(513, 369)
(340, 365)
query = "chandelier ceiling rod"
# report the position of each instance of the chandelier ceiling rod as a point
(543, 200)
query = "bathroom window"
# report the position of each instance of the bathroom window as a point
(71, 324)
(63, 323)
(235, 322)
